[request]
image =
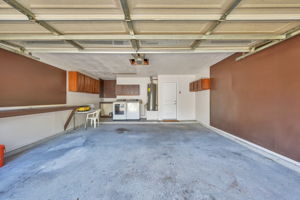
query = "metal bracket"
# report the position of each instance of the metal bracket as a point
(134, 43)
(291, 33)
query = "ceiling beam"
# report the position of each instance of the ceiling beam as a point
(74, 44)
(125, 8)
(223, 17)
(31, 17)
(293, 32)
(141, 50)
(157, 17)
(141, 37)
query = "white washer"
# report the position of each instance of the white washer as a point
(133, 110)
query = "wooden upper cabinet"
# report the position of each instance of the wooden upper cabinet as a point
(96, 86)
(195, 86)
(199, 85)
(107, 88)
(205, 83)
(81, 83)
(128, 90)
(81, 79)
(86, 84)
(191, 87)
(76, 81)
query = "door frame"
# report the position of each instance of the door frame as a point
(160, 106)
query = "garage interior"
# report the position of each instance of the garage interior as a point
(148, 99)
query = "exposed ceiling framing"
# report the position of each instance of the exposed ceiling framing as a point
(12, 45)
(196, 43)
(268, 44)
(16, 49)
(134, 42)
(190, 26)
(141, 37)
(31, 17)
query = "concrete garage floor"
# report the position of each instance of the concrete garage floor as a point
(163, 161)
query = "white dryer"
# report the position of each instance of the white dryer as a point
(119, 110)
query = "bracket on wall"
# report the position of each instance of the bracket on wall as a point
(289, 34)
(15, 48)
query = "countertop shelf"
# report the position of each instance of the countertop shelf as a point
(30, 111)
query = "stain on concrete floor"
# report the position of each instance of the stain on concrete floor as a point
(178, 162)
(122, 130)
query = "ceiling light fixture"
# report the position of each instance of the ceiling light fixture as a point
(139, 59)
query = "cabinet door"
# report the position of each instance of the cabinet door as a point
(97, 87)
(73, 81)
(199, 88)
(205, 84)
(196, 86)
(191, 87)
(80, 82)
(86, 84)
(91, 87)
(108, 88)
(128, 90)
(94, 91)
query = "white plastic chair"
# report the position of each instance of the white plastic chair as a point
(93, 117)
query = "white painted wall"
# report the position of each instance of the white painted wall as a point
(203, 99)
(185, 98)
(143, 82)
(16, 132)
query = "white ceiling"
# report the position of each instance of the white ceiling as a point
(106, 66)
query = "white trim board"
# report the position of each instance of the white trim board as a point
(148, 122)
(280, 159)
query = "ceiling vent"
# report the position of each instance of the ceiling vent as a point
(139, 59)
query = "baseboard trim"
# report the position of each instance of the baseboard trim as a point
(148, 122)
(280, 159)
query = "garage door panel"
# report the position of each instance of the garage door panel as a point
(171, 27)
(207, 9)
(21, 27)
(41, 4)
(67, 27)
(255, 27)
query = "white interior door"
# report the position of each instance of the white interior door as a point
(169, 100)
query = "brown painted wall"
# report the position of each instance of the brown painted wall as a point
(24, 81)
(258, 98)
